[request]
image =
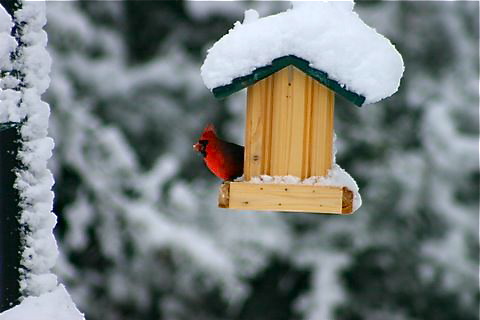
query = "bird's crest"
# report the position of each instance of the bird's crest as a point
(210, 127)
(209, 132)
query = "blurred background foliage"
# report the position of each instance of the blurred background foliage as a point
(139, 231)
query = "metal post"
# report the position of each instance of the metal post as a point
(9, 223)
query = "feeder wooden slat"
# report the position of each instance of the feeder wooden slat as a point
(285, 197)
(267, 126)
(280, 123)
(254, 130)
(298, 126)
(307, 134)
(322, 131)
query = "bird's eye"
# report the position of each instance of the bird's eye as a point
(203, 143)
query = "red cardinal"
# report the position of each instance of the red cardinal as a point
(224, 159)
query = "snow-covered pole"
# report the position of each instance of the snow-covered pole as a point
(24, 65)
(10, 245)
(28, 250)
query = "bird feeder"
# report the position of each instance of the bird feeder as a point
(293, 64)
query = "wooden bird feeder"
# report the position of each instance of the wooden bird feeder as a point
(288, 131)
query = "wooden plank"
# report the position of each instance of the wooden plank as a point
(298, 126)
(267, 127)
(224, 195)
(347, 201)
(289, 198)
(329, 129)
(316, 156)
(280, 125)
(321, 130)
(307, 143)
(253, 157)
(247, 140)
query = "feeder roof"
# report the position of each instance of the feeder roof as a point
(326, 40)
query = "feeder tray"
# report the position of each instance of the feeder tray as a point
(285, 197)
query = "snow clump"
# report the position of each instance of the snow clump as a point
(54, 305)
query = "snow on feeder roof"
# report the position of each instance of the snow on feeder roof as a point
(326, 40)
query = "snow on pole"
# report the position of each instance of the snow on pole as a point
(34, 181)
(10, 113)
(20, 102)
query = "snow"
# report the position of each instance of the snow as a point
(8, 97)
(336, 177)
(330, 35)
(7, 42)
(250, 16)
(54, 305)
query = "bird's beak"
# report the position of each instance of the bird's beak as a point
(197, 147)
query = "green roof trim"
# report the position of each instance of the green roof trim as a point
(240, 83)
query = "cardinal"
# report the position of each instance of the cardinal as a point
(224, 159)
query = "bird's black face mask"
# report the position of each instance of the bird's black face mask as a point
(201, 146)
